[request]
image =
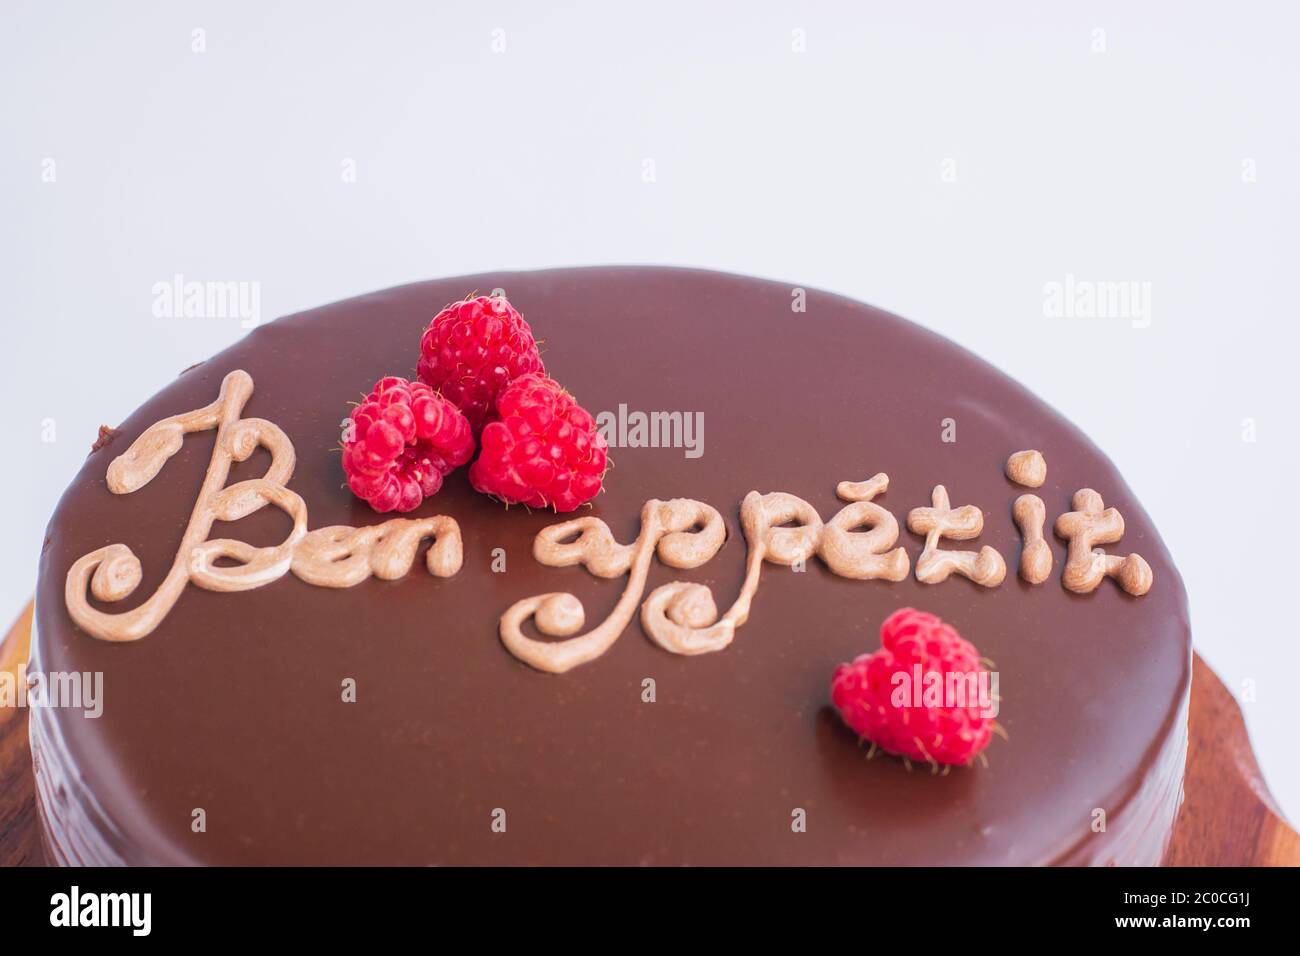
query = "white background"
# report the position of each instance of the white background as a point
(1123, 154)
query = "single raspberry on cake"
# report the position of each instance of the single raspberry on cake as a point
(544, 452)
(473, 349)
(944, 720)
(403, 438)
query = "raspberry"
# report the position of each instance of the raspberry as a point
(884, 710)
(404, 438)
(473, 349)
(544, 452)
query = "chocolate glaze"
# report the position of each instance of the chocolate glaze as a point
(233, 704)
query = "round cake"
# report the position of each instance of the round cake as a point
(406, 716)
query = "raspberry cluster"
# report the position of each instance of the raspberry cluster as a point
(867, 692)
(479, 374)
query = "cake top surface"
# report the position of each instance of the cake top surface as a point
(233, 703)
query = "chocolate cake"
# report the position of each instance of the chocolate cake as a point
(387, 722)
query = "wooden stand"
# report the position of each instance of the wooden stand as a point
(20, 840)
(1228, 817)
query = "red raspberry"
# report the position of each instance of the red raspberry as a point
(882, 709)
(544, 452)
(404, 438)
(473, 349)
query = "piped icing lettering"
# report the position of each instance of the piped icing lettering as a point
(680, 617)
(1028, 468)
(942, 520)
(1089, 524)
(335, 557)
(1036, 556)
(864, 555)
(684, 533)
(859, 543)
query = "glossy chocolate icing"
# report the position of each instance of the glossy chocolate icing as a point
(234, 703)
